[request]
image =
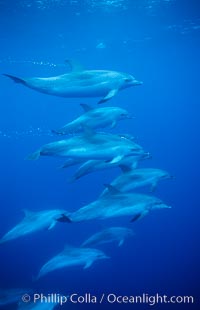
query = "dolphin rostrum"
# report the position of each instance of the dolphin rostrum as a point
(80, 83)
(109, 235)
(72, 256)
(32, 222)
(94, 118)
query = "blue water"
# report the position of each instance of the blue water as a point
(159, 43)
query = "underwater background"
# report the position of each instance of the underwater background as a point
(158, 41)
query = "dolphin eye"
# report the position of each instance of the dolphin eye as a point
(128, 80)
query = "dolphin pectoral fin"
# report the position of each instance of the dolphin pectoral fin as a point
(121, 242)
(111, 94)
(136, 217)
(139, 216)
(70, 162)
(74, 66)
(114, 123)
(86, 107)
(88, 264)
(116, 159)
(111, 189)
(33, 156)
(52, 225)
(15, 79)
(153, 187)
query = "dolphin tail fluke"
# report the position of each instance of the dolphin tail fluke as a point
(64, 219)
(33, 156)
(15, 79)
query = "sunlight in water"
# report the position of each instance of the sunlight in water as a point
(95, 4)
(17, 134)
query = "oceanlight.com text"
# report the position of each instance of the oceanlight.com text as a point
(111, 298)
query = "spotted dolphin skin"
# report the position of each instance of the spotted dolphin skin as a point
(32, 222)
(80, 83)
(94, 118)
(71, 256)
(117, 204)
(138, 178)
(126, 164)
(90, 146)
(108, 235)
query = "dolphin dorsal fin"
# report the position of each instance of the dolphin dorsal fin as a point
(27, 212)
(86, 107)
(74, 66)
(112, 190)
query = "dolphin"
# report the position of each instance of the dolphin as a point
(10, 296)
(90, 146)
(38, 305)
(71, 256)
(32, 222)
(109, 235)
(80, 83)
(94, 118)
(126, 164)
(117, 204)
(72, 162)
(138, 178)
